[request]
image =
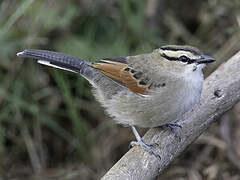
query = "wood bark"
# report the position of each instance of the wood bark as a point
(221, 90)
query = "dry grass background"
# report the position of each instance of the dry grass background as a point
(50, 125)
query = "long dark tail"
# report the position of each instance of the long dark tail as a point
(57, 60)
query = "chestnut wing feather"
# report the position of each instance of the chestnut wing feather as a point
(121, 73)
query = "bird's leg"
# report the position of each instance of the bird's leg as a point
(146, 146)
(174, 128)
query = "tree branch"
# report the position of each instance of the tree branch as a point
(221, 91)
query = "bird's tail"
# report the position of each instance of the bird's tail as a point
(55, 59)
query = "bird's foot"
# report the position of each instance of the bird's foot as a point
(174, 128)
(146, 146)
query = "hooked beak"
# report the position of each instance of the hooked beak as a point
(205, 59)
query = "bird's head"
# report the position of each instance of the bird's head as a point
(184, 57)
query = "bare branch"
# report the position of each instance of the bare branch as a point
(220, 92)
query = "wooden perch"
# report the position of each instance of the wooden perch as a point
(221, 91)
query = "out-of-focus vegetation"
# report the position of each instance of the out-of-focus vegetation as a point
(50, 124)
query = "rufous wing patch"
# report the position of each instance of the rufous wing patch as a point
(121, 73)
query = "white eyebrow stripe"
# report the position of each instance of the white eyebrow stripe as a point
(179, 53)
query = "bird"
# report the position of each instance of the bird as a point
(147, 90)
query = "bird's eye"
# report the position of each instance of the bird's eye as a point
(184, 58)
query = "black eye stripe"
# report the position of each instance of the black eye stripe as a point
(182, 58)
(169, 58)
(191, 61)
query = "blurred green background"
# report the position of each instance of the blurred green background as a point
(50, 124)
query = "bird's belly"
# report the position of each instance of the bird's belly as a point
(150, 111)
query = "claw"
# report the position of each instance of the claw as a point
(173, 127)
(146, 146)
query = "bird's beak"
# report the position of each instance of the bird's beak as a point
(205, 59)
